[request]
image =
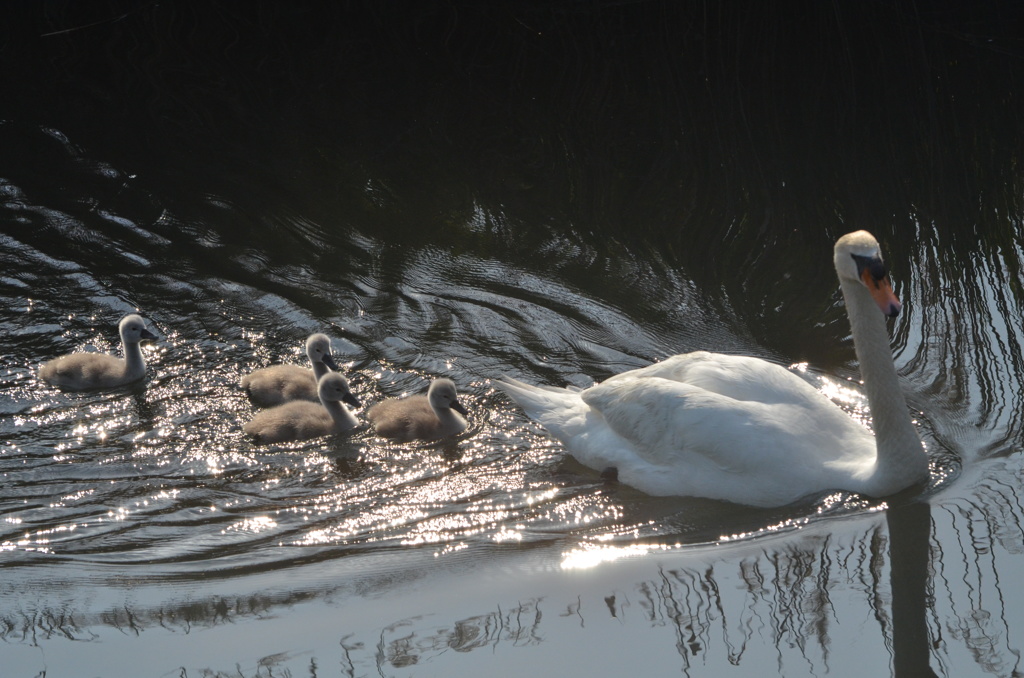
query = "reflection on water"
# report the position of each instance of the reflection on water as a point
(541, 201)
(784, 606)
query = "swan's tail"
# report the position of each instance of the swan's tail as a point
(549, 405)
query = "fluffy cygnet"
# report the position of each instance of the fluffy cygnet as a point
(279, 384)
(301, 420)
(79, 371)
(435, 415)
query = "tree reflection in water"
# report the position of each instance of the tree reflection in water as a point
(919, 611)
(790, 599)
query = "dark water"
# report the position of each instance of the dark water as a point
(555, 192)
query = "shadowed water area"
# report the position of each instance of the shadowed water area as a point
(557, 192)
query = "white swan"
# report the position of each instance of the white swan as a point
(302, 420)
(744, 430)
(279, 384)
(79, 371)
(436, 415)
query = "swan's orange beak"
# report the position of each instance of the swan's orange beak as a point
(881, 292)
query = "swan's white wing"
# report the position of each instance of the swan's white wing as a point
(672, 424)
(737, 377)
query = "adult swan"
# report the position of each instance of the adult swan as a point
(742, 429)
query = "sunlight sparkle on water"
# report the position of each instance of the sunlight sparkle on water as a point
(840, 393)
(788, 524)
(827, 505)
(541, 497)
(253, 525)
(591, 556)
(847, 397)
(451, 548)
(506, 534)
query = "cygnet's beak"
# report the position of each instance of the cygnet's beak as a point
(348, 397)
(329, 361)
(146, 334)
(457, 406)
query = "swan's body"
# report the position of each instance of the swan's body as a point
(302, 420)
(438, 414)
(280, 384)
(80, 371)
(742, 429)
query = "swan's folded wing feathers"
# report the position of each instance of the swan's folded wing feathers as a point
(665, 421)
(736, 376)
(751, 379)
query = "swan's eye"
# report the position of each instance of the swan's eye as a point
(873, 266)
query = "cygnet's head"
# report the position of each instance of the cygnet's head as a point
(442, 395)
(318, 348)
(858, 257)
(133, 329)
(333, 388)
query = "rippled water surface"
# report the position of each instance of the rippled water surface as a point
(514, 201)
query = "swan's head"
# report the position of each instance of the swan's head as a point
(858, 258)
(133, 329)
(442, 395)
(333, 388)
(318, 348)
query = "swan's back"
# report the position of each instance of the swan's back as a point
(738, 377)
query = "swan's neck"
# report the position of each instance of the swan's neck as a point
(134, 364)
(320, 368)
(901, 459)
(343, 418)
